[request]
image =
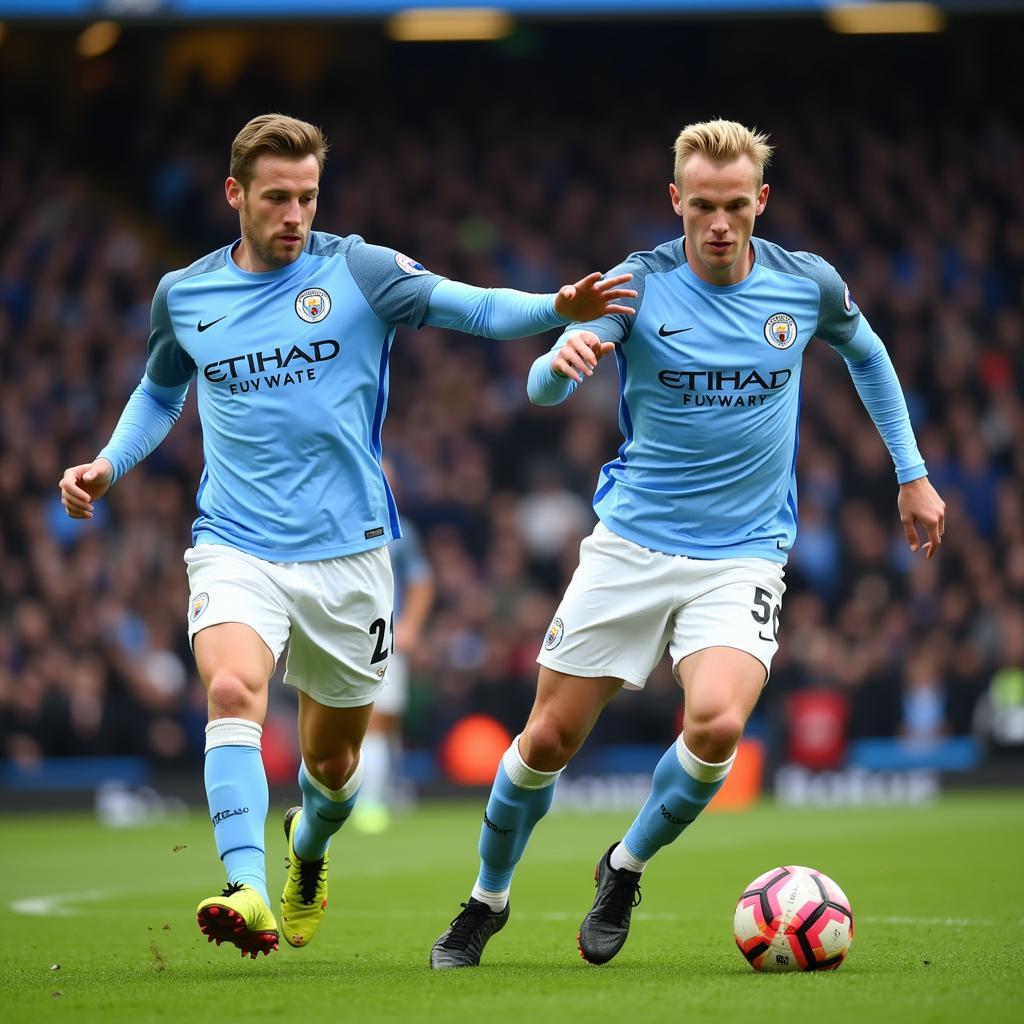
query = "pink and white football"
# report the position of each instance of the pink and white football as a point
(793, 919)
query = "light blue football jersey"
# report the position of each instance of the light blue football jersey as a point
(292, 371)
(292, 380)
(710, 395)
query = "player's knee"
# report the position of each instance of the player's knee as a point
(547, 744)
(230, 696)
(713, 738)
(333, 768)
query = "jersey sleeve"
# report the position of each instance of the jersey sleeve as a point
(879, 389)
(491, 312)
(543, 385)
(147, 418)
(168, 364)
(396, 287)
(838, 315)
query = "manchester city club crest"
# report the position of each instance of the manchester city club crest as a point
(409, 265)
(313, 305)
(555, 633)
(780, 330)
(199, 604)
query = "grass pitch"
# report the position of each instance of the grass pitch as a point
(937, 893)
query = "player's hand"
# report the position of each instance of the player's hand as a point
(80, 486)
(920, 505)
(590, 297)
(578, 356)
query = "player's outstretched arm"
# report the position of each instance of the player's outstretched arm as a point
(592, 297)
(920, 506)
(507, 313)
(80, 486)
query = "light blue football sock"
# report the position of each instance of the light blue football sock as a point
(682, 787)
(519, 798)
(324, 811)
(236, 789)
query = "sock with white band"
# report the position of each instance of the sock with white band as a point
(236, 789)
(497, 901)
(620, 858)
(519, 798)
(324, 811)
(681, 788)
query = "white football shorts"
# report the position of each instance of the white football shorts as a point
(626, 602)
(334, 615)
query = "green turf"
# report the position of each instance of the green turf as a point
(937, 893)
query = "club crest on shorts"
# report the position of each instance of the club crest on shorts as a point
(409, 265)
(554, 636)
(313, 305)
(199, 605)
(780, 330)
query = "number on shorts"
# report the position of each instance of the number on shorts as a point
(763, 611)
(378, 629)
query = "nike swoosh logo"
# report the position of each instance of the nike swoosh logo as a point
(668, 334)
(200, 327)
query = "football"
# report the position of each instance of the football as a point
(793, 919)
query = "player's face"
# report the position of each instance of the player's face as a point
(718, 204)
(276, 210)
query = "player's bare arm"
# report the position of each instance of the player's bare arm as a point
(920, 505)
(81, 485)
(591, 297)
(580, 355)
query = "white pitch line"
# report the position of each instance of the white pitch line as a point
(56, 904)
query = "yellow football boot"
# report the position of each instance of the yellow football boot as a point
(304, 899)
(240, 916)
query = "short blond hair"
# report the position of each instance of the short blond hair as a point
(722, 142)
(278, 134)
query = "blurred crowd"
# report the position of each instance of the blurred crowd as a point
(922, 214)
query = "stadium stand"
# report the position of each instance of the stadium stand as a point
(916, 196)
